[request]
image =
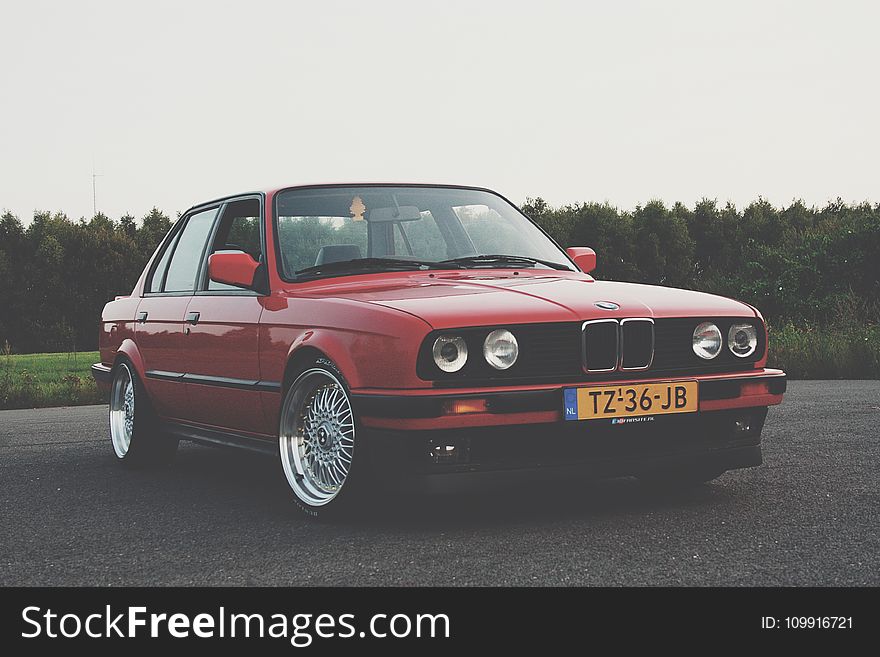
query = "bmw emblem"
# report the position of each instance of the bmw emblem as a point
(607, 305)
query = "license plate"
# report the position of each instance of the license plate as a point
(631, 400)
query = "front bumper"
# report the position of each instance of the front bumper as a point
(433, 409)
(521, 433)
(711, 442)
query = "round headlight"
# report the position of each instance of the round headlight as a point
(742, 339)
(450, 352)
(707, 341)
(500, 349)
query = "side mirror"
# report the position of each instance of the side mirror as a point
(233, 268)
(584, 257)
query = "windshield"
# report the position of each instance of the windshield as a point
(334, 231)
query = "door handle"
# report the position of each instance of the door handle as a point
(192, 318)
(142, 317)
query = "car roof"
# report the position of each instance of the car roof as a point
(273, 190)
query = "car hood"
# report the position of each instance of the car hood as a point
(478, 297)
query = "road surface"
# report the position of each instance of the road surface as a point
(69, 515)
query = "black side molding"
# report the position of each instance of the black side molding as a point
(219, 381)
(164, 376)
(239, 384)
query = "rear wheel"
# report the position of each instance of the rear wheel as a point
(134, 433)
(317, 440)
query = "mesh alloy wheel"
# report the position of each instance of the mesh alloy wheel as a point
(317, 437)
(122, 405)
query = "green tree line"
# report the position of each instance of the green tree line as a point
(57, 274)
(800, 265)
(797, 264)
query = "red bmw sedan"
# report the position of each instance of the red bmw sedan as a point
(372, 333)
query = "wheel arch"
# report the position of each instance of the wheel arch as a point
(317, 344)
(296, 360)
(128, 350)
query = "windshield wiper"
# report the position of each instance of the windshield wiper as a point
(368, 264)
(496, 260)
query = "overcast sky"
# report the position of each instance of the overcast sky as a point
(179, 102)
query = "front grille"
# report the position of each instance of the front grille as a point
(569, 352)
(636, 344)
(611, 344)
(601, 345)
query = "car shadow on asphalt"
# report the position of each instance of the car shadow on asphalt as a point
(564, 500)
(254, 483)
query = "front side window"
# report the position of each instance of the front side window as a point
(319, 230)
(238, 230)
(187, 255)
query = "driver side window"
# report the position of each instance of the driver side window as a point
(239, 230)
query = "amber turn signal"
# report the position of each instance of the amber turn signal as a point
(754, 388)
(463, 406)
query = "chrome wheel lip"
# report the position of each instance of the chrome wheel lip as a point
(122, 410)
(316, 436)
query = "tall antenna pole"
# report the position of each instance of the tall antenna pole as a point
(95, 176)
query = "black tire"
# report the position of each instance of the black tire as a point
(137, 442)
(308, 432)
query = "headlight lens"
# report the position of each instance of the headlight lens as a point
(742, 339)
(500, 349)
(450, 352)
(707, 341)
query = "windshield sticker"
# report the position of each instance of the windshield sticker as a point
(357, 209)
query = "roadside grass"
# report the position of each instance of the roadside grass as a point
(847, 351)
(40, 380)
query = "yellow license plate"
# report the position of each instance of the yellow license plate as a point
(630, 400)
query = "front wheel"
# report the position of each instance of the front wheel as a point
(317, 440)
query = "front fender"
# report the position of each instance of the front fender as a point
(332, 346)
(372, 347)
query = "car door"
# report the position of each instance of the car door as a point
(221, 336)
(160, 315)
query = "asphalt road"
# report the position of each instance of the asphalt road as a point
(810, 515)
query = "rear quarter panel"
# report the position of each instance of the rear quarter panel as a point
(116, 332)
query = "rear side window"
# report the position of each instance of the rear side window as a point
(162, 267)
(187, 256)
